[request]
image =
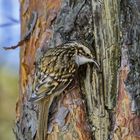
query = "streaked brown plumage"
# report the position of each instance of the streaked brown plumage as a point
(53, 73)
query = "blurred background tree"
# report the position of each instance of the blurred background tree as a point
(9, 61)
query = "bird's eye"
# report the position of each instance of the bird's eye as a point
(88, 55)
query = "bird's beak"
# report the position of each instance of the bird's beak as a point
(80, 60)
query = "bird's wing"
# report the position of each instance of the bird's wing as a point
(53, 74)
(46, 88)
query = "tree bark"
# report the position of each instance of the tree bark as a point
(100, 105)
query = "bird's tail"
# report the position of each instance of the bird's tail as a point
(44, 106)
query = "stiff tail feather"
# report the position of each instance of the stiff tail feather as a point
(44, 107)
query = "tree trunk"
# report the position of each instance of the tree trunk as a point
(100, 105)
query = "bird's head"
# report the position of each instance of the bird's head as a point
(83, 54)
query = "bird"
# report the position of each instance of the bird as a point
(54, 71)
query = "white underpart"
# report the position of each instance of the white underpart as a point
(80, 60)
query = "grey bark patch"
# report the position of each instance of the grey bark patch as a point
(130, 40)
(27, 126)
(74, 22)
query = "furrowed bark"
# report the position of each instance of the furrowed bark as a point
(127, 125)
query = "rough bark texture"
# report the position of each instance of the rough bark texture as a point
(127, 126)
(106, 28)
(110, 28)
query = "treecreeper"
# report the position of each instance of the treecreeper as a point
(54, 71)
